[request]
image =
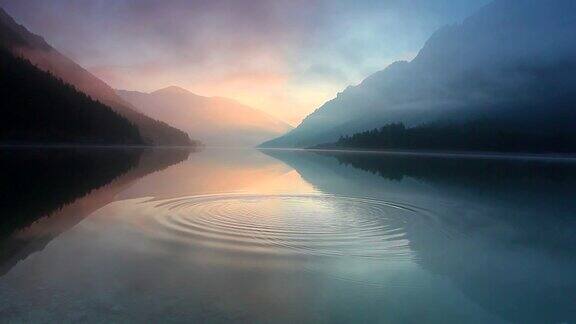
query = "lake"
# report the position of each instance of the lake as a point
(241, 235)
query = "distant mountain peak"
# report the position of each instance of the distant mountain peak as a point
(213, 120)
(172, 90)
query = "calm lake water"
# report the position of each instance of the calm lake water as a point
(233, 235)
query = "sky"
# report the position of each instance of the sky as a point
(285, 57)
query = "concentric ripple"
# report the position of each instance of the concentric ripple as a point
(303, 225)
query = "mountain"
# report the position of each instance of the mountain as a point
(512, 62)
(39, 108)
(34, 48)
(212, 120)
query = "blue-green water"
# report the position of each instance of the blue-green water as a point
(289, 237)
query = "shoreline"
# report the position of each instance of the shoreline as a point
(58, 146)
(568, 157)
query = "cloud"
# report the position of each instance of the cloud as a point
(274, 48)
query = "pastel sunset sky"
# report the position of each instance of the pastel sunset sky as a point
(283, 57)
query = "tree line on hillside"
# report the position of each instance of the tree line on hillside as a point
(477, 135)
(38, 108)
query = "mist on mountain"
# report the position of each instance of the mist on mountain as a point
(212, 120)
(513, 62)
(18, 40)
(38, 108)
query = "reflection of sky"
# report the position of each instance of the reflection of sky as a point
(136, 260)
(221, 171)
(286, 57)
(476, 255)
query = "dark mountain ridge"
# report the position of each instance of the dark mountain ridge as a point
(38, 108)
(21, 42)
(513, 61)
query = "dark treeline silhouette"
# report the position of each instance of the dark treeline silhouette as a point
(36, 107)
(18, 40)
(478, 135)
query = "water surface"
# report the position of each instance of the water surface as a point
(229, 235)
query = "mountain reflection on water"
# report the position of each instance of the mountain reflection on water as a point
(246, 236)
(44, 192)
(512, 245)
